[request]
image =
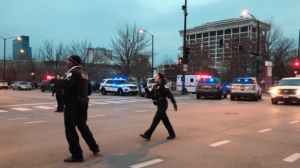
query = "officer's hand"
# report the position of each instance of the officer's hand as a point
(175, 106)
(154, 102)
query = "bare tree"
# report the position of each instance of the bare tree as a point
(53, 55)
(127, 47)
(140, 67)
(168, 60)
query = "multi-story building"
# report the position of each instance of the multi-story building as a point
(99, 55)
(21, 49)
(234, 32)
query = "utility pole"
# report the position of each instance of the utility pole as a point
(184, 8)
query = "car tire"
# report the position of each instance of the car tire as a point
(13, 88)
(259, 97)
(19, 88)
(225, 95)
(220, 96)
(198, 96)
(232, 97)
(256, 98)
(104, 92)
(120, 92)
(141, 95)
(134, 93)
(274, 101)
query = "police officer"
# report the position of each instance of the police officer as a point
(159, 93)
(58, 94)
(76, 87)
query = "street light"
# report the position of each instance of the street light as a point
(18, 38)
(143, 31)
(244, 13)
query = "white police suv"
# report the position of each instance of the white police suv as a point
(287, 91)
(118, 86)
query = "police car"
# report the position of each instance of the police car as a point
(208, 86)
(287, 91)
(118, 86)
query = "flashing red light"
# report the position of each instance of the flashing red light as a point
(297, 63)
(204, 76)
(48, 77)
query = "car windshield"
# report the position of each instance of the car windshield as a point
(243, 81)
(122, 82)
(207, 80)
(289, 82)
(23, 83)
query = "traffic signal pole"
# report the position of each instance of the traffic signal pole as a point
(184, 45)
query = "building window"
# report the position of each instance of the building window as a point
(253, 29)
(235, 30)
(191, 80)
(220, 32)
(212, 33)
(228, 31)
(244, 29)
(199, 35)
(205, 34)
(192, 36)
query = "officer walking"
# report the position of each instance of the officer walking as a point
(58, 94)
(76, 87)
(159, 93)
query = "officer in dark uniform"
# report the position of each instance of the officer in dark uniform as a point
(58, 94)
(160, 93)
(76, 87)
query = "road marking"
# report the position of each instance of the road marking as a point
(147, 163)
(294, 122)
(26, 104)
(112, 102)
(127, 101)
(44, 107)
(98, 103)
(18, 118)
(120, 109)
(292, 158)
(98, 115)
(21, 109)
(2, 111)
(34, 122)
(219, 143)
(141, 111)
(265, 130)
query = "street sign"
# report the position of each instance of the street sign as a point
(258, 58)
(185, 67)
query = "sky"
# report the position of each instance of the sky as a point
(97, 20)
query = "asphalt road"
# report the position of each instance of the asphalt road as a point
(210, 133)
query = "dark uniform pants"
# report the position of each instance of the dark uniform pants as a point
(76, 115)
(60, 103)
(161, 114)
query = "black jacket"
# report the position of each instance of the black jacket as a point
(160, 93)
(75, 83)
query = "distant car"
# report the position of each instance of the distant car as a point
(45, 87)
(22, 86)
(287, 91)
(95, 85)
(3, 84)
(210, 87)
(118, 86)
(245, 87)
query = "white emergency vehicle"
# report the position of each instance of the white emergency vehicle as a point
(190, 82)
(118, 86)
(150, 83)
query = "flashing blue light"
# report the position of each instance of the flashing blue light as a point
(246, 80)
(211, 79)
(238, 80)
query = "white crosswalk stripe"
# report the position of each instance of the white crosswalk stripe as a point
(21, 109)
(44, 107)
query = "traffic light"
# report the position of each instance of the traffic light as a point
(221, 43)
(240, 48)
(187, 52)
(180, 60)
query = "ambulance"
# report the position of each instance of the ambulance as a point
(190, 82)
